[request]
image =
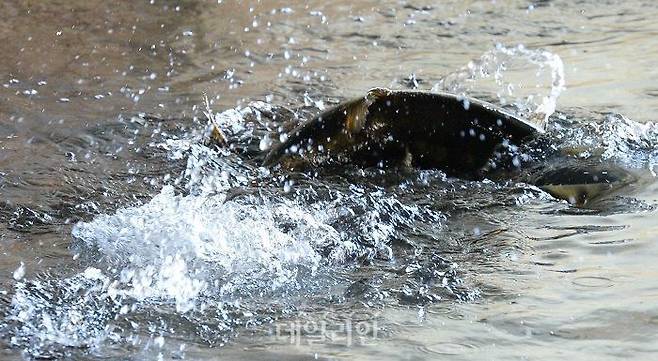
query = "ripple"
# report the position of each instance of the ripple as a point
(448, 348)
(593, 282)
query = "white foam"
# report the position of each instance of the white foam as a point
(615, 137)
(176, 246)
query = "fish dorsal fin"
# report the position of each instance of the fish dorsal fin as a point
(356, 113)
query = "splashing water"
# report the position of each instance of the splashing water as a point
(196, 250)
(506, 70)
(175, 246)
(195, 246)
(73, 312)
(612, 137)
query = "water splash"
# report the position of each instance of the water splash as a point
(610, 136)
(48, 313)
(192, 253)
(195, 247)
(175, 247)
(503, 71)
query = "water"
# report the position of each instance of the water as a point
(123, 236)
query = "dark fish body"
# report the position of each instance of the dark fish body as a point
(458, 135)
(425, 130)
(444, 131)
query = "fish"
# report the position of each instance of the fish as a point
(454, 133)
(450, 132)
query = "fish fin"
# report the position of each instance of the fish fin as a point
(218, 136)
(355, 116)
(356, 113)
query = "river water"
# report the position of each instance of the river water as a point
(124, 237)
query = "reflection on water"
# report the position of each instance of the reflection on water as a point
(123, 236)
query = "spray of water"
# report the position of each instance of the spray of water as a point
(504, 71)
(193, 247)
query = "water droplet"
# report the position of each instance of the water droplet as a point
(19, 273)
